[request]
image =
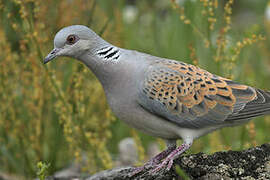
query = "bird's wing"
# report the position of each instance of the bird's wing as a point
(192, 97)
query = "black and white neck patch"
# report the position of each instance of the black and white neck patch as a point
(109, 54)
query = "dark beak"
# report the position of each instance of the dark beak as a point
(51, 55)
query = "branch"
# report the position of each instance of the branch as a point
(253, 163)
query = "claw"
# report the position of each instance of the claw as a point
(153, 162)
(147, 165)
(170, 165)
(158, 168)
(162, 166)
(137, 170)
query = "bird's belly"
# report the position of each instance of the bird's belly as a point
(136, 117)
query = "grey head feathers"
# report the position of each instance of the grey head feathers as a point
(77, 40)
(81, 31)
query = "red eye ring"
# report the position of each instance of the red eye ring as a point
(71, 39)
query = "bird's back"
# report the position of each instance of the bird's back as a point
(194, 98)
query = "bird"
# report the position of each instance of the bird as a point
(162, 97)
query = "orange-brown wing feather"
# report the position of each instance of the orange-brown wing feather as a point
(191, 96)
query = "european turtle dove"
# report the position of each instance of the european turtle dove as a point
(162, 97)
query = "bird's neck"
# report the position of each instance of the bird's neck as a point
(103, 61)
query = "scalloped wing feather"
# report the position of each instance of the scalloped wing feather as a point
(192, 97)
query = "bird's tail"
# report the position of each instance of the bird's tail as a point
(257, 107)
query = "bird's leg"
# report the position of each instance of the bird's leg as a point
(173, 155)
(171, 145)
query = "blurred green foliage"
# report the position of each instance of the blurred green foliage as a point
(42, 170)
(58, 113)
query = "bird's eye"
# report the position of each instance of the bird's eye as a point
(71, 39)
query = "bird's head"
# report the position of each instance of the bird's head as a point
(72, 41)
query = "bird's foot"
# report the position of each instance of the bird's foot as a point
(153, 162)
(157, 165)
(168, 161)
(162, 165)
(146, 166)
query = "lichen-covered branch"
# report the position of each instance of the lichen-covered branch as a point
(253, 163)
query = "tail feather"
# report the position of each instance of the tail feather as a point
(257, 107)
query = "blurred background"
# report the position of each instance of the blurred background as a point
(57, 114)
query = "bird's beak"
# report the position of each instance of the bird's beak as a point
(53, 54)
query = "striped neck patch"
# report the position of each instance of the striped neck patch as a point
(109, 54)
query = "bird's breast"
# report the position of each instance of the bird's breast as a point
(128, 110)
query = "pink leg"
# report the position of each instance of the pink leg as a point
(154, 161)
(173, 155)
